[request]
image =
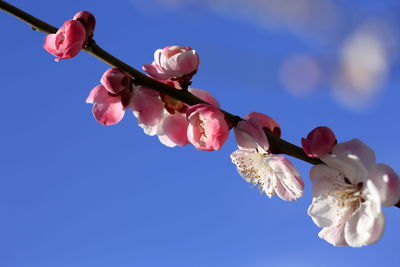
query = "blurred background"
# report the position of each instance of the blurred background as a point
(76, 193)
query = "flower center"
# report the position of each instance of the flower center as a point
(255, 170)
(348, 194)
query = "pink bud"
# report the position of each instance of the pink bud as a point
(88, 21)
(67, 41)
(116, 80)
(319, 142)
(207, 129)
(178, 62)
(250, 136)
(266, 122)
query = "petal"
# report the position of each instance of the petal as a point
(349, 165)
(204, 95)
(108, 113)
(107, 109)
(334, 235)
(356, 149)
(377, 230)
(155, 72)
(287, 182)
(324, 178)
(50, 44)
(324, 211)
(360, 228)
(265, 122)
(149, 109)
(250, 136)
(147, 129)
(387, 182)
(173, 130)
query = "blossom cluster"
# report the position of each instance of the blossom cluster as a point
(348, 186)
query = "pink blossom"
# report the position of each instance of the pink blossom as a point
(250, 136)
(348, 193)
(116, 80)
(266, 122)
(274, 174)
(319, 142)
(67, 41)
(107, 108)
(163, 115)
(112, 97)
(173, 62)
(88, 21)
(207, 128)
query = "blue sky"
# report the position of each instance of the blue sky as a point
(76, 193)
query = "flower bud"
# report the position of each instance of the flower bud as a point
(207, 129)
(319, 142)
(116, 80)
(67, 41)
(266, 122)
(88, 21)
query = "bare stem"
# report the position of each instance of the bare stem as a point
(278, 145)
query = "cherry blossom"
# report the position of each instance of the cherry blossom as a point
(348, 193)
(274, 174)
(112, 97)
(207, 129)
(173, 62)
(163, 115)
(67, 41)
(319, 142)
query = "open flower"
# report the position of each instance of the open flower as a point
(274, 174)
(173, 62)
(163, 115)
(348, 193)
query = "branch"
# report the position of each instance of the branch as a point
(278, 145)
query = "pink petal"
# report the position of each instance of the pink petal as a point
(148, 108)
(265, 122)
(155, 72)
(288, 184)
(115, 80)
(204, 95)
(250, 136)
(107, 110)
(173, 130)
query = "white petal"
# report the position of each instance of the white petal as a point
(355, 148)
(350, 165)
(360, 227)
(324, 211)
(287, 182)
(377, 230)
(387, 182)
(334, 235)
(324, 178)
